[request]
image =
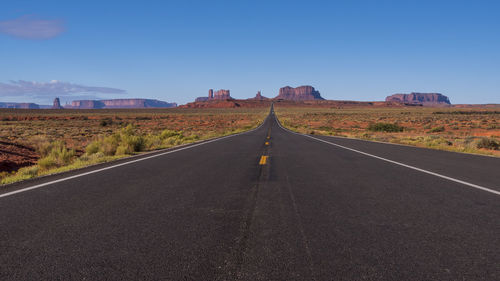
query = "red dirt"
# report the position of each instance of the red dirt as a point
(15, 156)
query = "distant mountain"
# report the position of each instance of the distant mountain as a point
(218, 95)
(301, 93)
(22, 105)
(258, 96)
(119, 103)
(426, 99)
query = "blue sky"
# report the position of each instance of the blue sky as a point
(177, 50)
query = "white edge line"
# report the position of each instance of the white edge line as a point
(397, 163)
(408, 145)
(126, 163)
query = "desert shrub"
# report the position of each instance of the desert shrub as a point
(174, 140)
(437, 129)
(366, 136)
(58, 155)
(488, 143)
(93, 147)
(120, 143)
(122, 150)
(41, 144)
(435, 141)
(27, 172)
(4, 174)
(22, 174)
(47, 163)
(105, 122)
(110, 143)
(132, 143)
(324, 128)
(385, 127)
(169, 133)
(195, 137)
(492, 127)
(153, 142)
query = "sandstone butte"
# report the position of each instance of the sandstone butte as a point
(425, 99)
(22, 105)
(57, 104)
(119, 103)
(308, 96)
(258, 96)
(218, 95)
(301, 93)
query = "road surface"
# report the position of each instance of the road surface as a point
(264, 205)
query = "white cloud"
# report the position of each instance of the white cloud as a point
(29, 27)
(53, 88)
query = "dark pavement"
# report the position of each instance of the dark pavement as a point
(313, 211)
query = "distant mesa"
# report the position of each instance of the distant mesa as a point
(218, 95)
(258, 96)
(23, 105)
(301, 93)
(119, 103)
(425, 99)
(94, 104)
(57, 104)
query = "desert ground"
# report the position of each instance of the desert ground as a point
(469, 130)
(39, 142)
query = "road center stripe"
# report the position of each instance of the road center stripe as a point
(128, 162)
(263, 160)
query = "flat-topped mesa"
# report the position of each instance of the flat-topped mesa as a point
(218, 95)
(222, 95)
(299, 94)
(120, 103)
(426, 99)
(19, 105)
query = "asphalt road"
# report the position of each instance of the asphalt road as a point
(310, 210)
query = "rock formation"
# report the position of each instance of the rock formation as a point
(23, 105)
(258, 96)
(222, 95)
(201, 99)
(57, 104)
(426, 99)
(299, 94)
(120, 103)
(219, 95)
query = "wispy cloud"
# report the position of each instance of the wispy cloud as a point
(53, 88)
(30, 27)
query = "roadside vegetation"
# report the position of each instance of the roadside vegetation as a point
(70, 139)
(474, 130)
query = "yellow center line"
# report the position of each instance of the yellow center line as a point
(263, 160)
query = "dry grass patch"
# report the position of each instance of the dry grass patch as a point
(475, 130)
(69, 139)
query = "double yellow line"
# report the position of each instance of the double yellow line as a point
(263, 160)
